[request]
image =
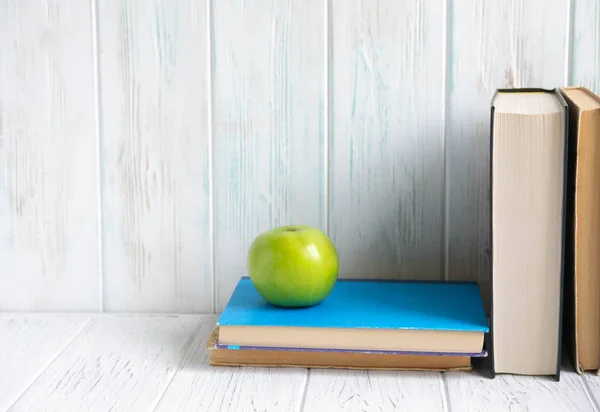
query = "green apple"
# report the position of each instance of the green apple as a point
(293, 266)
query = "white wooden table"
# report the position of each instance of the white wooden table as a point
(159, 363)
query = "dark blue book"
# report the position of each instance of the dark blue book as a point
(362, 315)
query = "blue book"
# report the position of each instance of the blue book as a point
(362, 315)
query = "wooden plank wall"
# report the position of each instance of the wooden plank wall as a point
(143, 145)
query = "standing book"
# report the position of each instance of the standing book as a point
(582, 277)
(528, 194)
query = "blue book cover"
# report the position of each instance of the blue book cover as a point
(425, 305)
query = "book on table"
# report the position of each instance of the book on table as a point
(528, 196)
(582, 274)
(361, 324)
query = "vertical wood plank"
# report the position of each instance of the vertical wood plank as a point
(48, 192)
(387, 143)
(514, 43)
(197, 386)
(155, 156)
(268, 125)
(117, 363)
(355, 390)
(585, 45)
(28, 344)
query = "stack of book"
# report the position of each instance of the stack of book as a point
(362, 324)
(545, 230)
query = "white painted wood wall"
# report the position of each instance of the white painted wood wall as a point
(143, 144)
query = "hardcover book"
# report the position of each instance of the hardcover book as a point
(582, 275)
(227, 355)
(411, 317)
(528, 143)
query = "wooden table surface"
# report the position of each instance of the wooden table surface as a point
(159, 363)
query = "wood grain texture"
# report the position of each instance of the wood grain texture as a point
(155, 153)
(200, 387)
(160, 363)
(469, 392)
(48, 191)
(325, 113)
(347, 390)
(513, 43)
(387, 138)
(585, 45)
(28, 344)
(268, 125)
(119, 363)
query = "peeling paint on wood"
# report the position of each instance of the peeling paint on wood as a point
(154, 88)
(221, 119)
(361, 390)
(115, 364)
(268, 126)
(28, 344)
(160, 363)
(48, 210)
(585, 45)
(468, 391)
(494, 44)
(386, 194)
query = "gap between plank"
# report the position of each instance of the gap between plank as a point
(98, 120)
(588, 393)
(446, 168)
(85, 325)
(569, 42)
(327, 115)
(211, 193)
(304, 391)
(445, 392)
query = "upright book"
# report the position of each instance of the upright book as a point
(582, 277)
(528, 171)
